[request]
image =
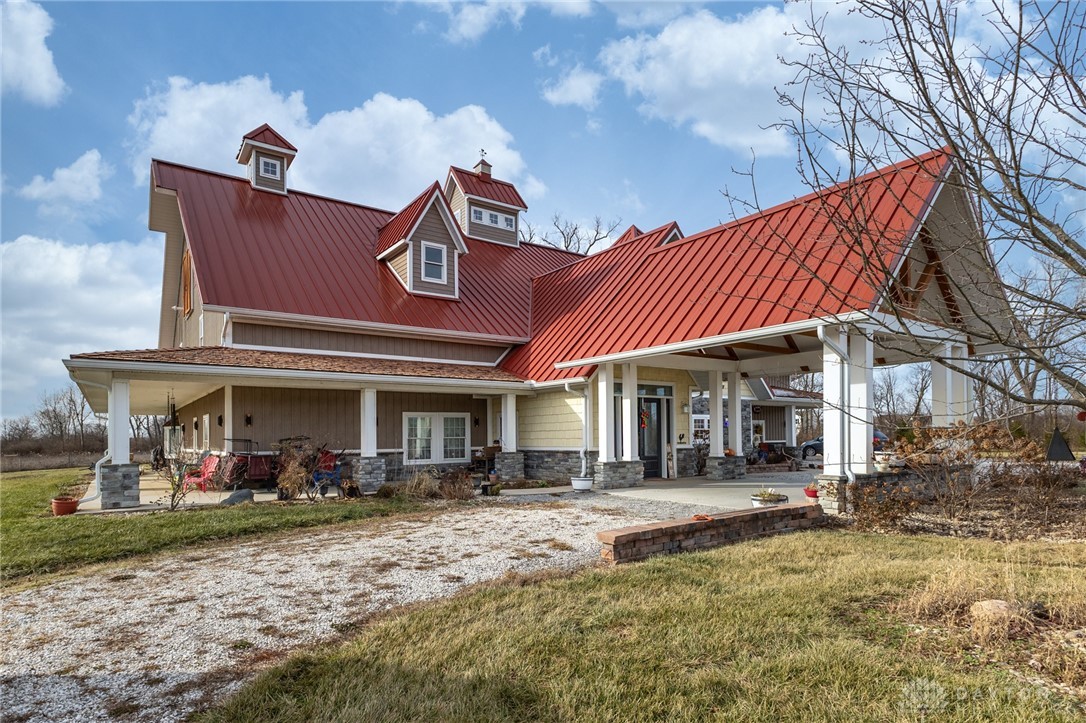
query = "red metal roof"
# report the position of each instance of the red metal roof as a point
(563, 294)
(221, 356)
(401, 224)
(314, 256)
(474, 184)
(778, 266)
(628, 235)
(267, 135)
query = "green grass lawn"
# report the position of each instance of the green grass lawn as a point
(805, 627)
(32, 542)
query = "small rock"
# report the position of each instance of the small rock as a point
(990, 610)
(238, 497)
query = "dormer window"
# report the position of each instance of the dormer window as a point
(433, 262)
(477, 215)
(510, 223)
(270, 168)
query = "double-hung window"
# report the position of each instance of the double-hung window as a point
(433, 262)
(477, 214)
(435, 438)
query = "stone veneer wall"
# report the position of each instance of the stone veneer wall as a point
(726, 467)
(556, 466)
(368, 472)
(671, 536)
(612, 475)
(686, 462)
(397, 471)
(120, 486)
(509, 465)
(837, 495)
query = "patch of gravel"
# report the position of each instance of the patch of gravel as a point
(157, 640)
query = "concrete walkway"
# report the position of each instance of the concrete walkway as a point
(722, 494)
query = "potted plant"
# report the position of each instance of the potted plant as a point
(811, 490)
(493, 476)
(768, 498)
(581, 484)
(64, 505)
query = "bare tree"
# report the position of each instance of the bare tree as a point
(52, 416)
(1000, 92)
(570, 235)
(78, 412)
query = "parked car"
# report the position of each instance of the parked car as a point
(814, 447)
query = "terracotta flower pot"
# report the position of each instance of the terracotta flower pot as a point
(64, 506)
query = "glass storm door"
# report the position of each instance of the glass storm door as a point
(650, 431)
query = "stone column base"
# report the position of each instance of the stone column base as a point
(120, 486)
(726, 467)
(368, 473)
(509, 465)
(612, 475)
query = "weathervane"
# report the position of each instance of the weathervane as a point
(482, 152)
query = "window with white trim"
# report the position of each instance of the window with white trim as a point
(435, 438)
(269, 168)
(493, 218)
(433, 262)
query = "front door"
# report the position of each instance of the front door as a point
(650, 431)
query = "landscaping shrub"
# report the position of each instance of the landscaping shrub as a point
(455, 484)
(423, 485)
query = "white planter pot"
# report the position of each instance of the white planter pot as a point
(760, 502)
(581, 484)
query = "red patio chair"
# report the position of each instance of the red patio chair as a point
(201, 477)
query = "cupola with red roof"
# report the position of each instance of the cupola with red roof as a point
(486, 208)
(267, 156)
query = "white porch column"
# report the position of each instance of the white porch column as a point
(961, 404)
(605, 411)
(228, 417)
(790, 425)
(861, 400)
(490, 436)
(716, 414)
(735, 414)
(833, 403)
(509, 422)
(119, 412)
(368, 443)
(942, 389)
(630, 422)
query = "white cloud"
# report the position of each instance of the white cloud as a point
(76, 185)
(543, 56)
(577, 87)
(636, 14)
(28, 68)
(716, 75)
(470, 21)
(59, 299)
(381, 153)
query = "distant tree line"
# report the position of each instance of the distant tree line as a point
(64, 422)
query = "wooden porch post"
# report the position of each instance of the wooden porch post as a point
(630, 423)
(735, 414)
(833, 404)
(605, 411)
(509, 423)
(119, 412)
(716, 413)
(368, 444)
(861, 400)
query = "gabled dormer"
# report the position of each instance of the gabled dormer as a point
(266, 156)
(422, 245)
(486, 208)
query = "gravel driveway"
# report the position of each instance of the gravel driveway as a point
(158, 639)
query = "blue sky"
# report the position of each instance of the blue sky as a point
(636, 111)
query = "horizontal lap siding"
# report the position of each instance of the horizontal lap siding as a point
(392, 405)
(492, 233)
(432, 228)
(550, 421)
(327, 416)
(213, 405)
(319, 340)
(264, 181)
(399, 265)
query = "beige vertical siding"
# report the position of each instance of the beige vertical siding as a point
(775, 418)
(327, 416)
(292, 337)
(491, 233)
(392, 405)
(264, 181)
(213, 405)
(432, 229)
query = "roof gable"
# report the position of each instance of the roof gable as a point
(402, 226)
(268, 136)
(474, 185)
(778, 266)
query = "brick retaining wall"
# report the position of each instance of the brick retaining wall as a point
(670, 536)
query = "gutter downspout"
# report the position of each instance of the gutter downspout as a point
(846, 398)
(584, 428)
(105, 456)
